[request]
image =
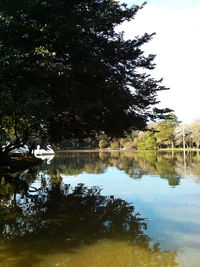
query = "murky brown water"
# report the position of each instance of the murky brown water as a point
(103, 209)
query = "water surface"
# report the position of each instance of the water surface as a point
(103, 209)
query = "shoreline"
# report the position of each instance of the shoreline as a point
(124, 150)
(23, 161)
(19, 162)
(86, 150)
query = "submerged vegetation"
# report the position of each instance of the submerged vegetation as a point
(46, 218)
(63, 224)
(19, 162)
(68, 78)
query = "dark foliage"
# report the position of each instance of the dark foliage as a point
(64, 71)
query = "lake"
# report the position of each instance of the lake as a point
(103, 209)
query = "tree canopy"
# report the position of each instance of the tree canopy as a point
(65, 71)
(166, 130)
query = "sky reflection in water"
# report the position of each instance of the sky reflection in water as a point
(162, 188)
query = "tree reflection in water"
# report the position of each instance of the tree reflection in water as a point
(169, 166)
(55, 218)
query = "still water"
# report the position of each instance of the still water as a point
(103, 209)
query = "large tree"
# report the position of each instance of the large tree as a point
(166, 131)
(65, 71)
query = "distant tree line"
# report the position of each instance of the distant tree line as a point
(167, 133)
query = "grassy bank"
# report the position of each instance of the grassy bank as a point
(123, 149)
(179, 149)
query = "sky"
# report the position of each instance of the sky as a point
(172, 213)
(177, 46)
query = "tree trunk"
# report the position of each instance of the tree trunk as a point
(3, 158)
(172, 144)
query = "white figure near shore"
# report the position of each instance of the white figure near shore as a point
(48, 151)
(48, 158)
(44, 154)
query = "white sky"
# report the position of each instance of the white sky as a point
(177, 46)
